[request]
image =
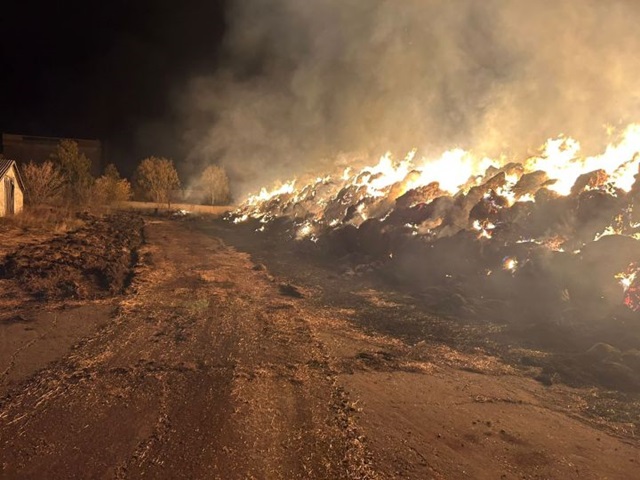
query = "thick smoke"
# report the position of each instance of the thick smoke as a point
(311, 85)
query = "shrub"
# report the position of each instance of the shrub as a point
(110, 188)
(44, 183)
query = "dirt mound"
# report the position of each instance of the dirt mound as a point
(94, 261)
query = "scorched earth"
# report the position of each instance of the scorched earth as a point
(164, 347)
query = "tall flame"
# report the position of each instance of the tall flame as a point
(561, 162)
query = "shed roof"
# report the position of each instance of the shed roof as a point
(5, 165)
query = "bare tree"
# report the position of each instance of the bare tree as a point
(215, 183)
(44, 182)
(157, 178)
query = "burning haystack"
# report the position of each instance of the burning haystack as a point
(556, 233)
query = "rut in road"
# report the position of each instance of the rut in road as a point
(207, 371)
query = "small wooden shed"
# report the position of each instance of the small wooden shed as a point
(11, 188)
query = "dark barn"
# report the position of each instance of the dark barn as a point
(26, 148)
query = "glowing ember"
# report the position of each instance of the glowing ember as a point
(610, 230)
(485, 228)
(554, 243)
(242, 218)
(304, 231)
(626, 279)
(630, 282)
(510, 264)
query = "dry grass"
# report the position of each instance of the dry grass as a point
(50, 219)
(200, 209)
(36, 224)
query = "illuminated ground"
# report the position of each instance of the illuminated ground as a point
(230, 357)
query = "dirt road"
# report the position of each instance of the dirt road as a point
(211, 367)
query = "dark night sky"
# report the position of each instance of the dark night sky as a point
(103, 69)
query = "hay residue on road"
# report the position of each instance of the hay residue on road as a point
(94, 261)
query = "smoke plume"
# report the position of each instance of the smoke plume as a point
(311, 85)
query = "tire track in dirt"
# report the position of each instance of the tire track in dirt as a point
(206, 372)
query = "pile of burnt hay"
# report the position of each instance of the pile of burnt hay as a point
(95, 261)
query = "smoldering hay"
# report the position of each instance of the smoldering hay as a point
(308, 86)
(558, 232)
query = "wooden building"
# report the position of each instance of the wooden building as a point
(11, 188)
